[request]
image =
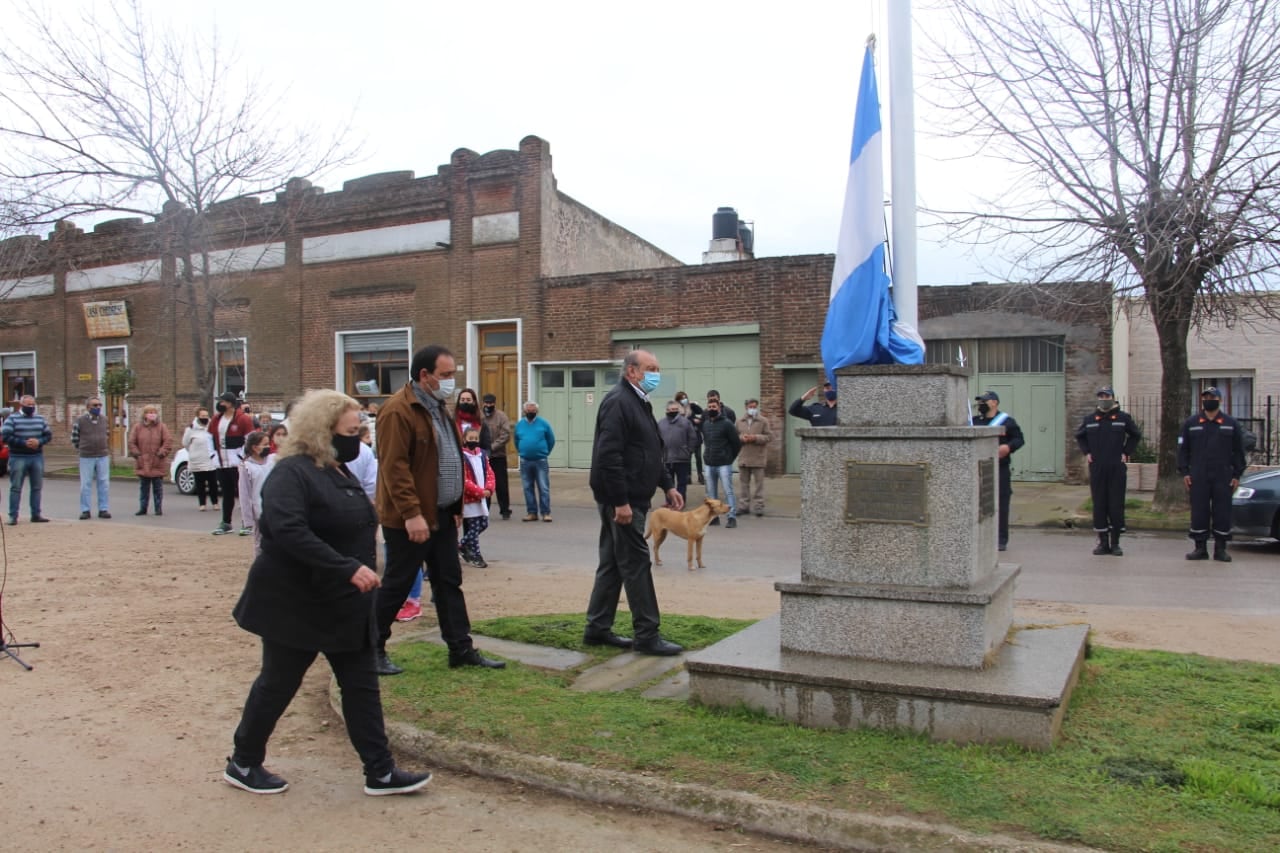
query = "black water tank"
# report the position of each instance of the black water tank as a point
(724, 224)
(746, 237)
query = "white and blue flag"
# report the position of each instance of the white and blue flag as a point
(861, 325)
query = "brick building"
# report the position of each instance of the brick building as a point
(539, 297)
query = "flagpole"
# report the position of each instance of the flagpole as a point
(902, 163)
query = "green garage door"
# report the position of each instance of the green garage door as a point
(568, 397)
(730, 365)
(1036, 402)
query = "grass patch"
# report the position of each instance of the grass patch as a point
(1138, 513)
(1159, 751)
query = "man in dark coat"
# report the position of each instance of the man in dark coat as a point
(989, 414)
(1107, 438)
(1211, 461)
(722, 442)
(626, 468)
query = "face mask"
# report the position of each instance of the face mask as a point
(983, 408)
(1106, 405)
(347, 447)
(1209, 405)
(445, 390)
(222, 407)
(713, 413)
(680, 400)
(650, 381)
(488, 410)
(830, 395)
(471, 445)
(752, 412)
(28, 410)
(528, 416)
(202, 421)
(467, 408)
(151, 419)
(671, 416)
(95, 410)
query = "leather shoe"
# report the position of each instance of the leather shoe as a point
(472, 657)
(104, 514)
(657, 646)
(84, 516)
(383, 665)
(39, 519)
(608, 638)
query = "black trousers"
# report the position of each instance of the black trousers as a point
(1107, 483)
(229, 485)
(274, 688)
(501, 488)
(151, 488)
(624, 564)
(444, 573)
(206, 481)
(1210, 504)
(680, 472)
(1006, 493)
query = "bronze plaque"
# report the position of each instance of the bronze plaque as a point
(888, 494)
(986, 488)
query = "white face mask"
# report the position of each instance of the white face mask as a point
(752, 412)
(445, 390)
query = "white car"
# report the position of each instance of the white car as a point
(180, 474)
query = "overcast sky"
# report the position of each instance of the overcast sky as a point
(656, 113)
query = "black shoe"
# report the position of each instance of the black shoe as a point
(1200, 553)
(383, 665)
(39, 519)
(142, 511)
(1220, 554)
(1100, 549)
(606, 639)
(84, 516)
(657, 646)
(13, 522)
(506, 516)
(731, 523)
(702, 481)
(401, 782)
(1117, 551)
(104, 514)
(1002, 547)
(255, 780)
(715, 522)
(472, 657)
(159, 511)
(476, 560)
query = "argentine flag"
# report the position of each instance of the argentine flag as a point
(860, 327)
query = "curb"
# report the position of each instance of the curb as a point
(843, 829)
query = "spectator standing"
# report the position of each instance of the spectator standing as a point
(721, 442)
(150, 444)
(201, 461)
(694, 413)
(1211, 460)
(534, 442)
(989, 414)
(90, 435)
(725, 412)
(257, 464)
(476, 491)
(753, 429)
(229, 428)
(26, 433)
(822, 413)
(679, 441)
(1108, 438)
(500, 431)
(626, 469)
(311, 591)
(420, 477)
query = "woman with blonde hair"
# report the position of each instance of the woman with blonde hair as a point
(311, 591)
(150, 444)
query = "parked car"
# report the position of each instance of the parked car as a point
(1255, 506)
(180, 474)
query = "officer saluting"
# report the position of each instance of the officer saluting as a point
(989, 414)
(1211, 460)
(1108, 438)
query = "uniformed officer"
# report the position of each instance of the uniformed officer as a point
(821, 413)
(989, 414)
(1211, 459)
(1107, 438)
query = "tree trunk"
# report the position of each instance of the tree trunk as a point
(1172, 327)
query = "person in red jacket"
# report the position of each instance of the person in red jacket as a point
(150, 445)
(229, 428)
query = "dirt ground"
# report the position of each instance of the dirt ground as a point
(117, 739)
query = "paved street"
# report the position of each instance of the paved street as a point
(1056, 564)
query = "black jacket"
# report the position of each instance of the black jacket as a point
(720, 441)
(818, 414)
(1211, 447)
(1012, 433)
(1109, 436)
(318, 528)
(627, 463)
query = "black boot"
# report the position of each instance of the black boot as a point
(1200, 553)
(1220, 549)
(1116, 550)
(1103, 546)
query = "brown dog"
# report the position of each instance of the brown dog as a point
(689, 526)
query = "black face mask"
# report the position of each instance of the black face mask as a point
(983, 408)
(528, 416)
(713, 413)
(467, 408)
(347, 447)
(488, 410)
(671, 416)
(471, 445)
(222, 407)
(1211, 405)
(202, 421)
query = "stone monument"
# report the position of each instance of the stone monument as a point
(902, 617)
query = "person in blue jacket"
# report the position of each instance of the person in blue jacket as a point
(534, 442)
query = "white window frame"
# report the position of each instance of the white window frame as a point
(218, 389)
(473, 352)
(340, 353)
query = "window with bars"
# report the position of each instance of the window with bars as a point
(19, 370)
(1000, 355)
(232, 365)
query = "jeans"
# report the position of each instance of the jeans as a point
(21, 467)
(95, 469)
(717, 474)
(539, 470)
(148, 487)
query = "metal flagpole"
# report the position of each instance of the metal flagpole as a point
(902, 159)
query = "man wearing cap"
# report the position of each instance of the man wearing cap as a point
(822, 413)
(1107, 438)
(1211, 459)
(228, 430)
(989, 414)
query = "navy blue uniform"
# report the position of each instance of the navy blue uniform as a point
(1109, 438)
(1013, 439)
(1211, 452)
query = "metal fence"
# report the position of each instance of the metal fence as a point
(1260, 415)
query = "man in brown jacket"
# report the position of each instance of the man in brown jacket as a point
(419, 493)
(754, 430)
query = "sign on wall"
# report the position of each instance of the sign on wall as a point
(106, 319)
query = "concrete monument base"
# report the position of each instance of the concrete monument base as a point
(1021, 698)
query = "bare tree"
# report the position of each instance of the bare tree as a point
(115, 114)
(1143, 145)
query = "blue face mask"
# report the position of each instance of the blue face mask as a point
(95, 410)
(650, 382)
